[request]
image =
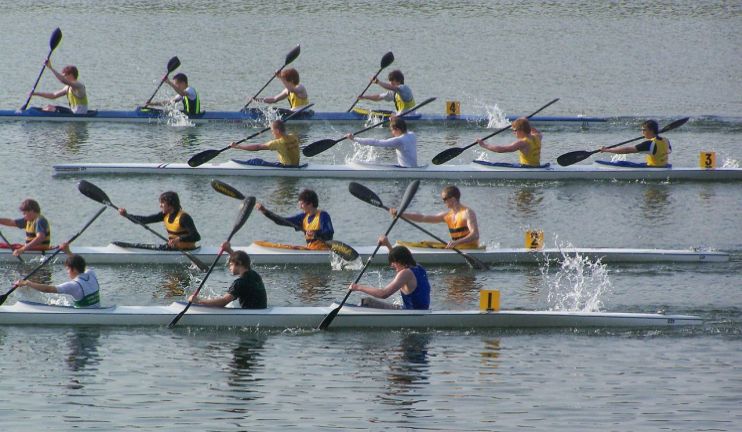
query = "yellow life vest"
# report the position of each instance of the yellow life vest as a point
(31, 234)
(401, 105)
(296, 102)
(659, 152)
(458, 229)
(75, 101)
(175, 230)
(533, 156)
(311, 226)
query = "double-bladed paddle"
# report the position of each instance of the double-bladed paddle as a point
(96, 194)
(172, 64)
(201, 158)
(345, 251)
(9, 246)
(448, 154)
(367, 195)
(53, 42)
(318, 147)
(50, 257)
(245, 210)
(406, 199)
(386, 60)
(291, 56)
(570, 158)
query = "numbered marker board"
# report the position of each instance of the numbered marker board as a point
(489, 300)
(534, 239)
(707, 160)
(453, 108)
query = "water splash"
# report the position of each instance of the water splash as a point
(496, 118)
(730, 163)
(578, 285)
(337, 263)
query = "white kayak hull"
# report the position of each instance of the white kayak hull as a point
(359, 170)
(25, 313)
(113, 254)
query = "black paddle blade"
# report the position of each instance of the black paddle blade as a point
(387, 60)
(675, 124)
(245, 210)
(446, 155)
(329, 318)
(201, 158)
(292, 55)
(345, 251)
(570, 158)
(93, 192)
(407, 197)
(225, 189)
(318, 147)
(173, 64)
(365, 194)
(5, 296)
(55, 39)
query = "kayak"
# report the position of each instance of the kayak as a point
(268, 253)
(27, 313)
(361, 170)
(253, 115)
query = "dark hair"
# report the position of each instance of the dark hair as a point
(181, 77)
(309, 196)
(396, 75)
(401, 255)
(280, 125)
(29, 205)
(70, 70)
(240, 258)
(652, 126)
(76, 262)
(398, 123)
(291, 75)
(451, 191)
(172, 199)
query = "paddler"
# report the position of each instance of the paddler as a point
(293, 90)
(316, 223)
(527, 143)
(398, 92)
(185, 93)
(38, 232)
(248, 288)
(181, 230)
(286, 145)
(402, 141)
(77, 97)
(461, 220)
(657, 148)
(411, 280)
(82, 286)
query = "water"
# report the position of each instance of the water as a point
(623, 61)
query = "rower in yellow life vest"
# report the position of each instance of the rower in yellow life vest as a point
(398, 92)
(527, 143)
(461, 220)
(181, 230)
(315, 223)
(657, 148)
(38, 232)
(293, 90)
(286, 145)
(77, 96)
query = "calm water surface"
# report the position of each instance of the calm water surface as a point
(622, 61)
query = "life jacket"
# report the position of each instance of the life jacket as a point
(192, 107)
(533, 156)
(659, 152)
(458, 229)
(400, 105)
(296, 102)
(75, 101)
(31, 234)
(310, 226)
(420, 298)
(90, 290)
(175, 230)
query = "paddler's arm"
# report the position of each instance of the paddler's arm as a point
(157, 217)
(643, 146)
(279, 97)
(515, 146)
(278, 220)
(419, 217)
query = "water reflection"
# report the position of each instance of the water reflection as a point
(83, 353)
(460, 288)
(489, 356)
(176, 281)
(408, 369)
(656, 201)
(247, 358)
(313, 287)
(526, 202)
(76, 133)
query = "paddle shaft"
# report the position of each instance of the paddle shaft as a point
(8, 242)
(55, 253)
(56, 37)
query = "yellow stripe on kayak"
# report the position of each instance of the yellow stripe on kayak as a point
(273, 245)
(379, 113)
(427, 244)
